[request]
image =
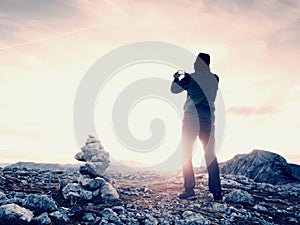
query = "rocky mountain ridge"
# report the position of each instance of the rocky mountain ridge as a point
(262, 166)
(35, 196)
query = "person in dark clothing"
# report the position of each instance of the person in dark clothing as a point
(198, 120)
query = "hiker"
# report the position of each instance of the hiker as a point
(199, 118)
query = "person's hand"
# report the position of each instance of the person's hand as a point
(176, 75)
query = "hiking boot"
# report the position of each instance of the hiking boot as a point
(187, 195)
(218, 197)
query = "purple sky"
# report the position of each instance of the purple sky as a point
(47, 46)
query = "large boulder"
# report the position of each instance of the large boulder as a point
(14, 214)
(93, 169)
(39, 203)
(74, 190)
(239, 197)
(261, 166)
(109, 193)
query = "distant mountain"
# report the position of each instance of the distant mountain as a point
(129, 163)
(296, 170)
(45, 166)
(262, 166)
(4, 164)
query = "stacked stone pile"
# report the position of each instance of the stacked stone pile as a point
(92, 182)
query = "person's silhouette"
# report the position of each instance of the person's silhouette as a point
(199, 118)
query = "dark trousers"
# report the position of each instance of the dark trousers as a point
(204, 129)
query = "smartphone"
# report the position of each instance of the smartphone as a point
(181, 72)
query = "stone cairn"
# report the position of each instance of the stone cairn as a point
(92, 182)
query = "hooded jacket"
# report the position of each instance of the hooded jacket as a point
(201, 87)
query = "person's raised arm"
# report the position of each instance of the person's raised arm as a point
(180, 85)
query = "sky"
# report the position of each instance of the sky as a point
(46, 47)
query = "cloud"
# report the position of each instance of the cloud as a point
(252, 7)
(38, 10)
(23, 20)
(33, 20)
(253, 111)
(280, 19)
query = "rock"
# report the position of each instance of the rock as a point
(239, 196)
(86, 195)
(2, 180)
(260, 208)
(59, 216)
(3, 198)
(89, 217)
(14, 214)
(119, 209)
(75, 211)
(93, 153)
(108, 193)
(71, 190)
(96, 193)
(191, 217)
(150, 220)
(42, 219)
(115, 220)
(39, 203)
(107, 213)
(91, 139)
(295, 170)
(94, 169)
(95, 156)
(219, 207)
(90, 183)
(188, 214)
(74, 190)
(14, 200)
(261, 166)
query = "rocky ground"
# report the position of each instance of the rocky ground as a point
(34, 196)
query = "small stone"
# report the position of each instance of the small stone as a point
(90, 183)
(293, 220)
(96, 193)
(14, 200)
(89, 217)
(107, 213)
(75, 210)
(42, 219)
(219, 207)
(119, 209)
(187, 214)
(115, 219)
(60, 217)
(86, 195)
(260, 208)
(150, 220)
(71, 190)
(191, 217)
(3, 197)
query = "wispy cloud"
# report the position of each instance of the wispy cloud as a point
(253, 111)
(55, 36)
